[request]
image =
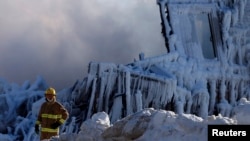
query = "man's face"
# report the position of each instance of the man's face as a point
(50, 97)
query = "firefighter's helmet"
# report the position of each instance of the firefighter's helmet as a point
(50, 90)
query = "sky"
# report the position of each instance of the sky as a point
(58, 39)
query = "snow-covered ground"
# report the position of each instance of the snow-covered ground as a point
(151, 124)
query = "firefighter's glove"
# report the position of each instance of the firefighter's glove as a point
(37, 129)
(55, 125)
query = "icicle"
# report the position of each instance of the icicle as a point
(100, 98)
(138, 99)
(109, 87)
(165, 93)
(136, 84)
(92, 99)
(201, 99)
(128, 94)
(71, 126)
(224, 108)
(188, 102)
(92, 74)
(222, 89)
(178, 104)
(232, 97)
(242, 4)
(235, 16)
(238, 89)
(158, 94)
(179, 100)
(116, 110)
(243, 87)
(212, 84)
(150, 95)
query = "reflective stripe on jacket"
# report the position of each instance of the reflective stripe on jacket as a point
(51, 112)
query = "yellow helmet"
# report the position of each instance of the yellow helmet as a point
(50, 90)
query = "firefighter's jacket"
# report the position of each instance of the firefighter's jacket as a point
(51, 112)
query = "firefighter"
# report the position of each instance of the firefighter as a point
(51, 116)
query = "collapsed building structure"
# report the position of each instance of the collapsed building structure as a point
(205, 70)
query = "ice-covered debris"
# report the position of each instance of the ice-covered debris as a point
(244, 101)
(92, 129)
(151, 124)
(4, 86)
(5, 137)
(36, 106)
(241, 113)
(170, 126)
(130, 127)
(39, 84)
(219, 120)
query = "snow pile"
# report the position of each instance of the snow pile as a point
(151, 124)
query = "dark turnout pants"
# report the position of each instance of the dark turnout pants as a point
(47, 135)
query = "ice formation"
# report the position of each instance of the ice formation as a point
(188, 78)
